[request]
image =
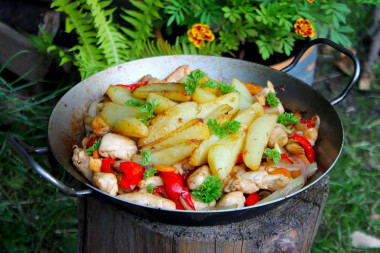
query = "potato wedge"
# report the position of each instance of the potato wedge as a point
(130, 127)
(200, 154)
(247, 116)
(222, 155)
(170, 156)
(257, 139)
(203, 96)
(246, 98)
(163, 102)
(231, 99)
(113, 112)
(195, 129)
(169, 121)
(222, 114)
(119, 94)
(173, 91)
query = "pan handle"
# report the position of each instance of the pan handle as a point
(343, 50)
(22, 149)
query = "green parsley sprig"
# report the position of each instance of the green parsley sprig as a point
(94, 147)
(222, 131)
(146, 157)
(274, 154)
(149, 173)
(151, 188)
(192, 81)
(272, 100)
(287, 118)
(146, 109)
(209, 190)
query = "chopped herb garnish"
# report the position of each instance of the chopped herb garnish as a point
(287, 118)
(272, 100)
(226, 88)
(150, 188)
(210, 84)
(274, 154)
(222, 131)
(150, 172)
(94, 147)
(146, 157)
(209, 190)
(192, 81)
(146, 109)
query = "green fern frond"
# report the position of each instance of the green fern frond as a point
(110, 40)
(80, 22)
(141, 22)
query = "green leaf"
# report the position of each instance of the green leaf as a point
(222, 131)
(274, 154)
(287, 119)
(94, 147)
(272, 100)
(149, 173)
(146, 157)
(210, 190)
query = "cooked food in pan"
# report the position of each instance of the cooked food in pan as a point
(194, 143)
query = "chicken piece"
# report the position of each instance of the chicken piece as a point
(106, 182)
(244, 185)
(81, 161)
(95, 164)
(183, 166)
(197, 178)
(267, 90)
(261, 99)
(155, 180)
(198, 205)
(99, 126)
(117, 146)
(279, 136)
(148, 200)
(178, 74)
(233, 199)
(311, 134)
(265, 181)
(236, 170)
(295, 148)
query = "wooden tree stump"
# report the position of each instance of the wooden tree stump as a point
(288, 227)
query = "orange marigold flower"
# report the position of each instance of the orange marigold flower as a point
(304, 27)
(310, 1)
(200, 32)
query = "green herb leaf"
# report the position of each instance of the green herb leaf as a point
(226, 88)
(192, 81)
(146, 109)
(149, 173)
(274, 154)
(222, 131)
(210, 84)
(150, 188)
(146, 157)
(272, 100)
(94, 147)
(287, 119)
(209, 190)
(135, 102)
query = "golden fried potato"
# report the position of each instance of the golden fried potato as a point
(203, 96)
(257, 139)
(246, 98)
(231, 99)
(119, 94)
(169, 121)
(130, 127)
(173, 91)
(222, 114)
(163, 102)
(222, 155)
(113, 112)
(247, 116)
(195, 129)
(171, 155)
(200, 154)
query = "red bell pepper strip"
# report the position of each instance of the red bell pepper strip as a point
(133, 174)
(239, 158)
(174, 187)
(309, 150)
(160, 191)
(133, 86)
(106, 165)
(307, 123)
(286, 157)
(91, 142)
(252, 199)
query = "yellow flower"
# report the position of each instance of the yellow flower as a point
(304, 27)
(200, 32)
(310, 1)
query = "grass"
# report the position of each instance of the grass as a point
(35, 217)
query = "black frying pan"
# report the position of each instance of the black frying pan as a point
(66, 127)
